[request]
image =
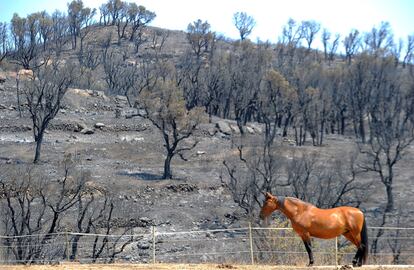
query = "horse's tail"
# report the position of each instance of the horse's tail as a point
(364, 241)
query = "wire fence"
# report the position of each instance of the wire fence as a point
(247, 245)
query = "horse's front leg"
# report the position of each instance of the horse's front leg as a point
(308, 246)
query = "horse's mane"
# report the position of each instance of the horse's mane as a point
(299, 200)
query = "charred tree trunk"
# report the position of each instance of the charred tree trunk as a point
(361, 128)
(342, 130)
(390, 198)
(39, 141)
(167, 166)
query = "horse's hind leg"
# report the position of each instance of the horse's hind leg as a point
(357, 260)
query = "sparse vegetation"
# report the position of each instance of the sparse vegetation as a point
(288, 118)
(43, 93)
(164, 106)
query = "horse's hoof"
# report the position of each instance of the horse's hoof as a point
(310, 264)
(356, 264)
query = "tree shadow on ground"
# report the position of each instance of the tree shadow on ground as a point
(142, 175)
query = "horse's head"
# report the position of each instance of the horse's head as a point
(270, 204)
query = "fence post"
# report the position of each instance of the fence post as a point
(67, 246)
(251, 243)
(336, 252)
(153, 244)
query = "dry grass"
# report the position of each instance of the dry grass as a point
(73, 266)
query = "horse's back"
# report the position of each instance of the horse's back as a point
(329, 223)
(349, 217)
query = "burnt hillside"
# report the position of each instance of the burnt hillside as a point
(114, 130)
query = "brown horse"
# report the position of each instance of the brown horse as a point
(308, 220)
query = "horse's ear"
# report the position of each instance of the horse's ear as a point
(268, 195)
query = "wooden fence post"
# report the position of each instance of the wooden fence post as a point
(336, 252)
(67, 246)
(153, 244)
(251, 243)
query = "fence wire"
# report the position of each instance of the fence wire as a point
(245, 245)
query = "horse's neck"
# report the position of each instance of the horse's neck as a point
(293, 207)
